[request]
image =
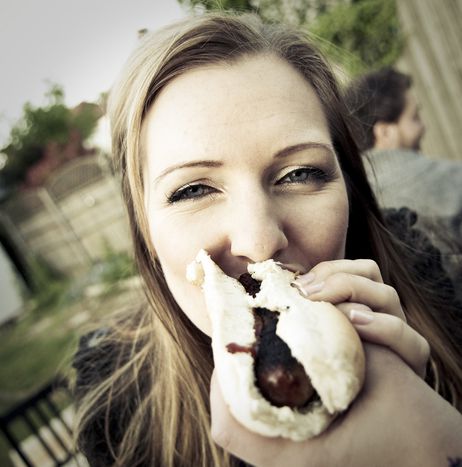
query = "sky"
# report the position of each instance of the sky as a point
(78, 44)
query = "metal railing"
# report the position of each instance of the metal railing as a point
(37, 412)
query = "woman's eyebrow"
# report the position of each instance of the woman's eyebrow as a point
(301, 147)
(184, 165)
(211, 163)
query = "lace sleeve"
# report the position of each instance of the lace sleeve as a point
(426, 262)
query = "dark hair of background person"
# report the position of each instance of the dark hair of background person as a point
(374, 97)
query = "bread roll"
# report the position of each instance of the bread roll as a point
(319, 336)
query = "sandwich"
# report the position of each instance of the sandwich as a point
(286, 366)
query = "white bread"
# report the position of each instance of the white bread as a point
(319, 336)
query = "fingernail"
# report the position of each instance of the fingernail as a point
(361, 316)
(305, 279)
(308, 290)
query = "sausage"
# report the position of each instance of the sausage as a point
(250, 361)
(281, 379)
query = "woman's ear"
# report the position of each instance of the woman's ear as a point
(385, 135)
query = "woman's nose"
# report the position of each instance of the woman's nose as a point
(257, 232)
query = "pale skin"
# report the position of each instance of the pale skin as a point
(239, 162)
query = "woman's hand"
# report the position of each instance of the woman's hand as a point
(356, 287)
(397, 419)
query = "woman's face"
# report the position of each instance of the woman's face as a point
(239, 162)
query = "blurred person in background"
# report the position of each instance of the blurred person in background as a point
(386, 123)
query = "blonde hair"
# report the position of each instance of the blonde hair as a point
(161, 375)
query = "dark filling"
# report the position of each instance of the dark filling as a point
(281, 379)
(251, 285)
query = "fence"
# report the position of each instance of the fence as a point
(73, 219)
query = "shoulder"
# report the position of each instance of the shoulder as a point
(111, 378)
(408, 158)
(104, 349)
(94, 359)
(403, 224)
(95, 363)
(424, 254)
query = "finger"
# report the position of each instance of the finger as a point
(359, 267)
(346, 307)
(394, 333)
(343, 287)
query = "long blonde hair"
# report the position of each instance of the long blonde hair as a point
(162, 368)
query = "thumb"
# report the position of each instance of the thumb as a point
(221, 418)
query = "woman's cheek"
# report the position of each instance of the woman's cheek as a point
(176, 244)
(320, 227)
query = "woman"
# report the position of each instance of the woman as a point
(230, 136)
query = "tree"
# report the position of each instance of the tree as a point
(346, 31)
(236, 5)
(37, 128)
(360, 36)
(289, 11)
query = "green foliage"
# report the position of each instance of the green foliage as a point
(39, 126)
(235, 5)
(360, 36)
(49, 286)
(117, 265)
(85, 120)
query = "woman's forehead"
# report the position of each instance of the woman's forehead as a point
(255, 94)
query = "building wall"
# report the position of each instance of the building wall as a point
(72, 220)
(433, 57)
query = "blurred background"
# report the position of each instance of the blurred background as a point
(65, 251)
